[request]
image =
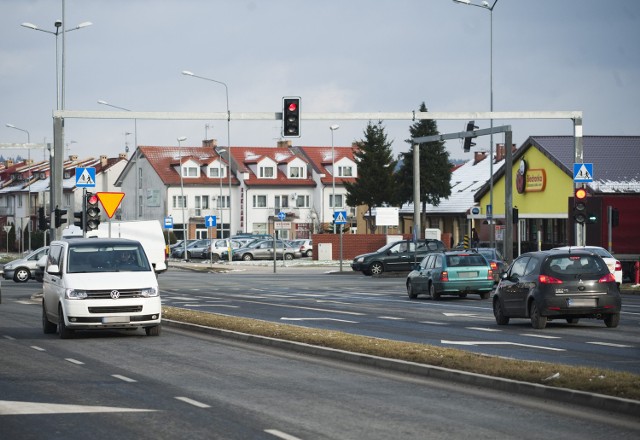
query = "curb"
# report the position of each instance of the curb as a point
(591, 400)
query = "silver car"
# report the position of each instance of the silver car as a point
(24, 269)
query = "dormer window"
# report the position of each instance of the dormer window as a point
(189, 171)
(345, 171)
(296, 173)
(265, 172)
(216, 172)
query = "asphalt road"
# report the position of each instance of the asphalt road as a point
(197, 386)
(320, 297)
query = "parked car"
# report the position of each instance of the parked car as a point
(179, 244)
(495, 259)
(397, 256)
(38, 274)
(614, 265)
(194, 249)
(305, 246)
(261, 250)
(23, 269)
(548, 285)
(216, 246)
(451, 273)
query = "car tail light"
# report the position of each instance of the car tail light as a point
(608, 278)
(618, 266)
(490, 275)
(546, 279)
(444, 276)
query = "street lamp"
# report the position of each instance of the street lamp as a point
(184, 230)
(485, 6)
(29, 180)
(226, 91)
(136, 178)
(333, 175)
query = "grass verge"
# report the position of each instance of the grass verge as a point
(593, 380)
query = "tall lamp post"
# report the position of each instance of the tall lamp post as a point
(29, 180)
(135, 159)
(226, 91)
(184, 229)
(485, 6)
(333, 175)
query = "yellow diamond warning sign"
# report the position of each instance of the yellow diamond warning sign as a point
(110, 201)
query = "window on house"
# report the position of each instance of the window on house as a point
(266, 173)
(179, 201)
(222, 202)
(302, 202)
(338, 201)
(139, 178)
(282, 201)
(296, 172)
(259, 201)
(216, 172)
(190, 171)
(345, 171)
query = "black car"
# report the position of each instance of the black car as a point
(397, 256)
(548, 285)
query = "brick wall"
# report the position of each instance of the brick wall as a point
(352, 244)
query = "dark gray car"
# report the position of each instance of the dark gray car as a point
(397, 256)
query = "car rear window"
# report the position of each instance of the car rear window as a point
(576, 264)
(465, 260)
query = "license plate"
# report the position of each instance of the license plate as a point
(115, 320)
(467, 274)
(581, 302)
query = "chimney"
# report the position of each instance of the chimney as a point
(122, 156)
(211, 143)
(479, 156)
(8, 163)
(103, 160)
(73, 157)
(500, 153)
(284, 144)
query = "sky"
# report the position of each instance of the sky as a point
(338, 56)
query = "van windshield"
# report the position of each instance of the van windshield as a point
(106, 258)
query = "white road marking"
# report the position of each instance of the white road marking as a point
(193, 402)
(533, 335)
(484, 329)
(433, 323)
(74, 361)
(499, 343)
(124, 378)
(393, 318)
(11, 338)
(35, 347)
(280, 434)
(11, 408)
(466, 315)
(318, 319)
(609, 344)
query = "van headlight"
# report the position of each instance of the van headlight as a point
(75, 294)
(149, 292)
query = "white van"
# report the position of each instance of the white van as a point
(147, 232)
(99, 283)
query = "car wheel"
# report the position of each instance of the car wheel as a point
(410, 291)
(288, 256)
(367, 272)
(485, 295)
(65, 333)
(215, 258)
(433, 293)
(309, 253)
(537, 320)
(573, 320)
(376, 268)
(188, 255)
(612, 320)
(21, 275)
(152, 331)
(47, 326)
(501, 319)
(247, 257)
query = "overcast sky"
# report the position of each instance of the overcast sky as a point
(338, 55)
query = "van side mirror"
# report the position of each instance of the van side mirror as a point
(54, 269)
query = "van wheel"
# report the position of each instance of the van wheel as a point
(63, 330)
(47, 326)
(21, 275)
(537, 320)
(152, 331)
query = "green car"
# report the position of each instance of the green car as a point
(451, 273)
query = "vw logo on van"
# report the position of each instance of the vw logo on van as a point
(115, 294)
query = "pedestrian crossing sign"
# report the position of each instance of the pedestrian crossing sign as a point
(582, 172)
(85, 177)
(340, 217)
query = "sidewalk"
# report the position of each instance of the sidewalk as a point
(305, 265)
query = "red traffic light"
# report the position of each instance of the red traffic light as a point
(293, 106)
(92, 199)
(580, 194)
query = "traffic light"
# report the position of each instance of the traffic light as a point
(79, 215)
(92, 212)
(580, 205)
(43, 222)
(291, 116)
(615, 217)
(514, 215)
(592, 218)
(59, 217)
(467, 140)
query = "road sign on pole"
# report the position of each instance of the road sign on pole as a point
(168, 222)
(85, 177)
(210, 221)
(110, 201)
(340, 217)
